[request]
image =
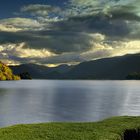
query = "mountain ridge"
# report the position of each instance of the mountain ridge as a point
(113, 68)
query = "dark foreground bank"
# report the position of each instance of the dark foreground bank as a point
(116, 128)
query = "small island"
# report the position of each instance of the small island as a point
(133, 76)
(6, 73)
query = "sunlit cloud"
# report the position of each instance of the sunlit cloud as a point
(110, 49)
(17, 24)
(9, 28)
(21, 52)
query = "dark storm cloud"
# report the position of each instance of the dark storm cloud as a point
(116, 21)
(124, 13)
(55, 41)
(92, 24)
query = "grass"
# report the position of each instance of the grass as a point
(109, 129)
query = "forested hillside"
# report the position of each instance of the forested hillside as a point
(6, 73)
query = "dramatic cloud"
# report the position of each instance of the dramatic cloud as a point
(114, 48)
(80, 30)
(99, 48)
(18, 53)
(8, 28)
(17, 24)
(90, 7)
(41, 10)
(44, 13)
(55, 41)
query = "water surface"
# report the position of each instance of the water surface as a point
(36, 101)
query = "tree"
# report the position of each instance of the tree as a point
(6, 73)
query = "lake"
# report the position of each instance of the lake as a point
(33, 101)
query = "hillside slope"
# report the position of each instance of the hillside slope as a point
(40, 71)
(107, 68)
(6, 73)
(115, 68)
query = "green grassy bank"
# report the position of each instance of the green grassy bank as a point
(110, 129)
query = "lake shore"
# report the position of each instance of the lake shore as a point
(115, 128)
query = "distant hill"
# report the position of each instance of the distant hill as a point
(6, 73)
(106, 68)
(40, 71)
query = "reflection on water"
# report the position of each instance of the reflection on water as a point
(53, 100)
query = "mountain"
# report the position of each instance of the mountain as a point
(40, 71)
(6, 73)
(106, 68)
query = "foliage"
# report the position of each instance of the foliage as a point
(25, 75)
(6, 73)
(110, 129)
(134, 75)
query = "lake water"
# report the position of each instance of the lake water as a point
(53, 100)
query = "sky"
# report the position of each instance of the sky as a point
(54, 32)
